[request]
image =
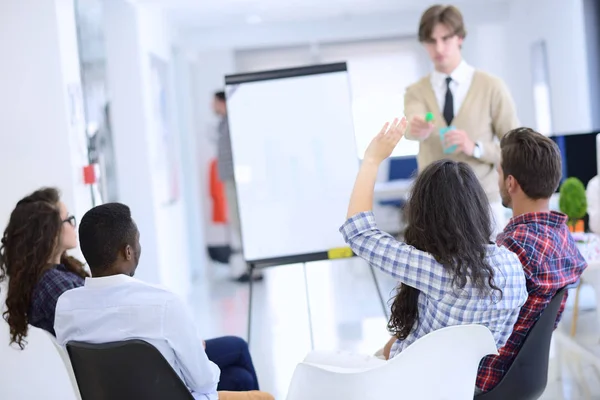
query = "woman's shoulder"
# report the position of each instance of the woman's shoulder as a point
(502, 258)
(508, 271)
(59, 276)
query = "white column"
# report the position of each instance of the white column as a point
(135, 37)
(42, 130)
(123, 64)
(183, 76)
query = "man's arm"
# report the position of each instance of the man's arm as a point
(199, 373)
(413, 107)
(504, 119)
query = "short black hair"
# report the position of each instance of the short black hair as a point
(534, 160)
(103, 232)
(220, 96)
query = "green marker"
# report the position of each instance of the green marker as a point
(429, 117)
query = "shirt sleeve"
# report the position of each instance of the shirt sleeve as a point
(200, 374)
(513, 243)
(410, 266)
(504, 119)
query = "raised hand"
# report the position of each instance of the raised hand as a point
(382, 145)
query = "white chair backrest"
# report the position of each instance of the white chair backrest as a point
(441, 365)
(37, 372)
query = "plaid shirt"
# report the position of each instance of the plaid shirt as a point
(440, 303)
(551, 261)
(51, 285)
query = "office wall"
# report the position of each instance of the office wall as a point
(155, 35)
(133, 35)
(42, 141)
(560, 23)
(184, 71)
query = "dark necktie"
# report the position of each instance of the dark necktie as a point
(448, 103)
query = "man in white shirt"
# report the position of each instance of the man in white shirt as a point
(471, 109)
(113, 306)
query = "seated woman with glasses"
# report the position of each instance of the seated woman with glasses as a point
(33, 255)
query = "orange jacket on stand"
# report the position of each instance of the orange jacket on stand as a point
(217, 193)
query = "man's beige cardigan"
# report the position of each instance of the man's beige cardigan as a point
(487, 113)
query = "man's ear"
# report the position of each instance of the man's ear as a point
(512, 185)
(128, 253)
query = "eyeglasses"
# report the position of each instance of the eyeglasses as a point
(71, 220)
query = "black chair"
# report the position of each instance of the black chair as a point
(527, 377)
(128, 370)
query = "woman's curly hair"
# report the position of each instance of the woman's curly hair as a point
(26, 248)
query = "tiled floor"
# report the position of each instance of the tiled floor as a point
(346, 313)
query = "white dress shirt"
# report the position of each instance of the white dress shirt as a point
(119, 307)
(459, 86)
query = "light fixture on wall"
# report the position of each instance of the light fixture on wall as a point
(253, 19)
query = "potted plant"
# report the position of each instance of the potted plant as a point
(573, 203)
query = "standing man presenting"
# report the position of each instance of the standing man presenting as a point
(458, 112)
(225, 168)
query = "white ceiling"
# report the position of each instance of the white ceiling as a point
(198, 14)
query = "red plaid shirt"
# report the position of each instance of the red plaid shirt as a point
(551, 261)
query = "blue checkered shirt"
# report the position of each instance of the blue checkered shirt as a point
(440, 303)
(46, 292)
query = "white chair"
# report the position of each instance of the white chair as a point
(441, 365)
(41, 371)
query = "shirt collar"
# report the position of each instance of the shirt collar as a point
(459, 75)
(552, 219)
(107, 281)
(61, 267)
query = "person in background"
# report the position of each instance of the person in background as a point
(449, 272)
(529, 173)
(474, 107)
(113, 306)
(219, 253)
(33, 256)
(225, 169)
(593, 200)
